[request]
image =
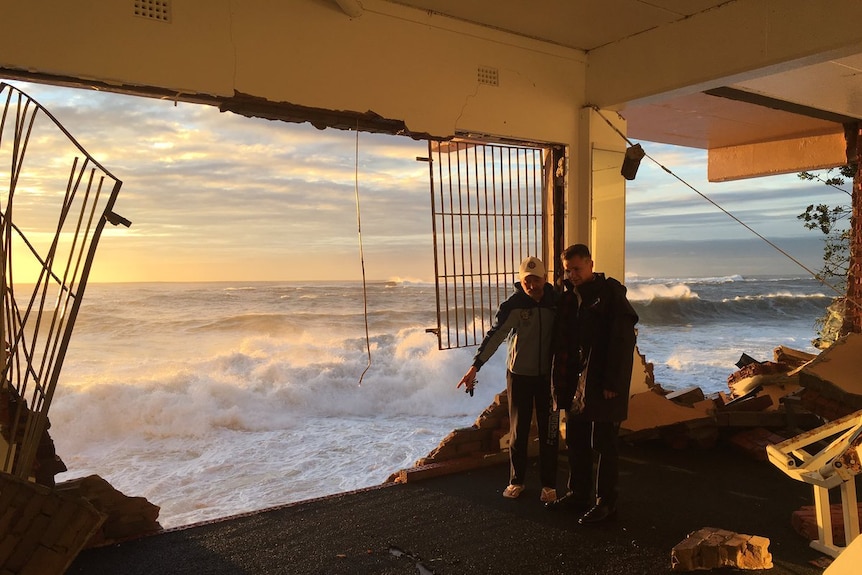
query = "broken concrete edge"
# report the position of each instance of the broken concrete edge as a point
(126, 517)
(447, 467)
(679, 418)
(43, 530)
(713, 548)
(833, 376)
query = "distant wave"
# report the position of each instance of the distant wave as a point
(778, 295)
(399, 281)
(650, 292)
(689, 308)
(632, 278)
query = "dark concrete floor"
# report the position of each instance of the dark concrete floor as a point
(460, 524)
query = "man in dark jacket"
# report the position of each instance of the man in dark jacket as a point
(595, 334)
(526, 319)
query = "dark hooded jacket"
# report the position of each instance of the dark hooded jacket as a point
(603, 327)
(529, 327)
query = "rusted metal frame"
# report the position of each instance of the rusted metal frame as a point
(454, 277)
(502, 270)
(538, 204)
(479, 212)
(559, 209)
(463, 274)
(520, 213)
(486, 277)
(64, 333)
(434, 239)
(469, 217)
(61, 311)
(488, 187)
(496, 214)
(19, 148)
(48, 267)
(511, 208)
(77, 267)
(38, 408)
(524, 196)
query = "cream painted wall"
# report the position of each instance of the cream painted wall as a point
(597, 218)
(739, 41)
(397, 62)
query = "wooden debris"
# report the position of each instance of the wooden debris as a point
(833, 376)
(688, 396)
(712, 548)
(680, 419)
(804, 522)
(753, 442)
(125, 516)
(42, 530)
(753, 375)
(792, 357)
(650, 411)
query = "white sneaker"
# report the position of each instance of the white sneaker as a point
(548, 495)
(513, 491)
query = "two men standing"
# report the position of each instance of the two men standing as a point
(594, 337)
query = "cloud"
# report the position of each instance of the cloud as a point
(212, 195)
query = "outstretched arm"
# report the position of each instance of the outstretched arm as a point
(469, 379)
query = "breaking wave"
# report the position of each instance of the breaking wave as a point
(664, 304)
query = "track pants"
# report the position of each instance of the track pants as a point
(590, 442)
(525, 394)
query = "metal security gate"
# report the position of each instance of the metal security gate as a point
(487, 203)
(54, 203)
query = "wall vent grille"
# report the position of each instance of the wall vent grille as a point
(159, 10)
(488, 76)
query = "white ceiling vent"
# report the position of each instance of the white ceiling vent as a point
(153, 9)
(489, 76)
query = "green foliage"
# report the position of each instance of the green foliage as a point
(834, 223)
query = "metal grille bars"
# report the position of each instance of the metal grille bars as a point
(487, 206)
(51, 217)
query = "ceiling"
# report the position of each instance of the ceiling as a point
(807, 101)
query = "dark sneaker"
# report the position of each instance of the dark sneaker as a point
(568, 502)
(598, 513)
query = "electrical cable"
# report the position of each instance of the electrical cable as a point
(737, 220)
(361, 254)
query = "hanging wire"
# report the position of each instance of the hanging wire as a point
(737, 220)
(361, 253)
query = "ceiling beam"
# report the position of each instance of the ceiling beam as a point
(735, 42)
(779, 157)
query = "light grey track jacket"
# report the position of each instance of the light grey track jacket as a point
(528, 326)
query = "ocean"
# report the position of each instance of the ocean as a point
(214, 399)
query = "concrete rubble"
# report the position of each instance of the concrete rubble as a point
(681, 418)
(766, 403)
(712, 548)
(42, 529)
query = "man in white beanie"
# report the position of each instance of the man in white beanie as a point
(526, 320)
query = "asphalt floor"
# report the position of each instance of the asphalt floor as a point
(460, 524)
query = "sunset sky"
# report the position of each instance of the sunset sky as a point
(215, 196)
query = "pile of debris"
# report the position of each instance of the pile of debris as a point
(762, 405)
(767, 403)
